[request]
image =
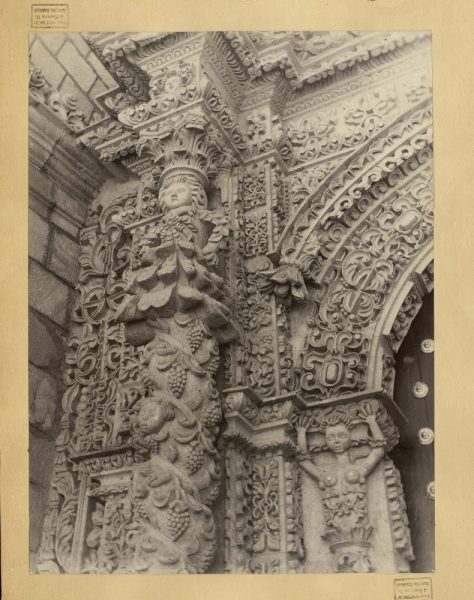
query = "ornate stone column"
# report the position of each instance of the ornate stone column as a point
(150, 509)
(175, 308)
(264, 527)
(352, 498)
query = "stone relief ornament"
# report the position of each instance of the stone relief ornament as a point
(341, 477)
(287, 281)
(174, 306)
(280, 189)
(64, 106)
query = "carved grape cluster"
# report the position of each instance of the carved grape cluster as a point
(178, 519)
(195, 336)
(207, 557)
(140, 510)
(195, 458)
(177, 379)
(213, 364)
(213, 415)
(147, 383)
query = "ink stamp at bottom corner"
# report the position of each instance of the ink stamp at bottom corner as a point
(415, 588)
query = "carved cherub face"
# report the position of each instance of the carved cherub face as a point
(150, 417)
(338, 438)
(176, 195)
(172, 83)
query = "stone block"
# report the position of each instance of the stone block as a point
(38, 503)
(46, 345)
(70, 205)
(47, 294)
(40, 186)
(38, 236)
(41, 452)
(101, 70)
(80, 43)
(42, 58)
(43, 401)
(98, 88)
(65, 223)
(72, 60)
(64, 257)
(69, 86)
(53, 41)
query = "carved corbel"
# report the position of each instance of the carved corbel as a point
(286, 281)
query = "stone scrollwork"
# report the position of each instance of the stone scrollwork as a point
(64, 106)
(230, 300)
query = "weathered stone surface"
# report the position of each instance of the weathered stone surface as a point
(69, 205)
(45, 343)
(278, 175)
(41, 451)
(38, 501)
(53, 71)
(83, 73)
(80, 43)
(44, 401)
(38, 236)
(41, 189)
(48, 294)
(65, 223)
(64, 257)
(53, 41)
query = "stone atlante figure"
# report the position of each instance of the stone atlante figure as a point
(342, 482)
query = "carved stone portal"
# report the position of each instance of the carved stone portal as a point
(243, 290)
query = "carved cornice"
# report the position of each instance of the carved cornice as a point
(233, 78)
(382, 69)
(302, 66)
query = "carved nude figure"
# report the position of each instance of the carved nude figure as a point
(343, 487)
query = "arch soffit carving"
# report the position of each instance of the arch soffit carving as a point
(401, 307)
(384, 304)
(369, 164)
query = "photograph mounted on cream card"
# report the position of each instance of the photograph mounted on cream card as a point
(231, 302)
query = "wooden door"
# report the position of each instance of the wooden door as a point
(414, 456)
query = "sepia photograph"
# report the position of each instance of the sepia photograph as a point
(231, 330)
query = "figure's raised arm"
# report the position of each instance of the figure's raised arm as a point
(304, 457)
(301, 439)
(378, 452)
